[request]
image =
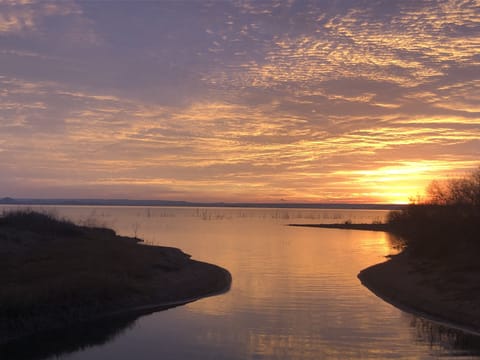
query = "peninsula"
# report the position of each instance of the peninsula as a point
(56, 274)
(437, 275)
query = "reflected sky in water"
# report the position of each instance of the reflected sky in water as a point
(295, 294)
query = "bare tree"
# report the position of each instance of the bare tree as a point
(462, 191)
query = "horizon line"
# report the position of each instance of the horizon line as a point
(162, 202)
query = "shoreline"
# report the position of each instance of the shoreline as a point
(415, 292)
(198, 280)
(348, 226)
(57, 275)
(426, 289)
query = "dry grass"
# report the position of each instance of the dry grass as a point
(54, 270)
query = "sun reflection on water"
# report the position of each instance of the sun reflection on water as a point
(295, 292)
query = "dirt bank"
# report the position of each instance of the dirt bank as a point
(56, 274)
(444, 294)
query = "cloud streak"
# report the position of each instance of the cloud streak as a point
(297, 101)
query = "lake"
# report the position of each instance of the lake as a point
(295, 293)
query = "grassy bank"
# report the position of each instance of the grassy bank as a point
(444, 227)
(55, 273)
(438, 273)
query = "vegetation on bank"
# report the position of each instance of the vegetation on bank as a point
(447, 223)
(437, 274)
(54, 273)
(46, 263)
(444, 226)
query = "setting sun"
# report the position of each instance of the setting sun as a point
(290, 179)
(265, 103)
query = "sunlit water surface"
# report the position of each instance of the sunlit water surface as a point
(295, 293)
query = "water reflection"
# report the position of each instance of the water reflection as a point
(60, 342)
(440, 337)
(57, 344)
(295, 294)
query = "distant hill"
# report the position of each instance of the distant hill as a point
(7, 200)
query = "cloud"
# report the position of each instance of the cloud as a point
(359, 43)
(298, 100)
(20, 17)
(215, 145)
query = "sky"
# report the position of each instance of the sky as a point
(237, 101)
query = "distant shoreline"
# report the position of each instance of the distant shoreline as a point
(426, 289)
(348, 226)
(167, 203)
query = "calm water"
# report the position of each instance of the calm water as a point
(295, 294)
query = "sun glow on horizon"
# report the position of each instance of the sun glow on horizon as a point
(358, 103)
(402, 183)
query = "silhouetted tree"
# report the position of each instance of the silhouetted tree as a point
(448, 221)
(463, 191)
